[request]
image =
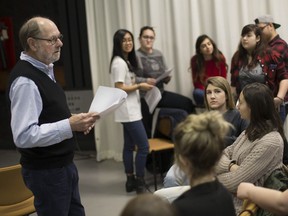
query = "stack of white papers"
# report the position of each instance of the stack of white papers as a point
(152, 98)
(107, 99)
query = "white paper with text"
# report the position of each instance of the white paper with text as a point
(107, 99)
(164, 75)
(152, 98)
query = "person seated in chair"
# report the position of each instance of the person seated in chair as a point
(273, 200)
(148, 205)
(258, 151)
(217, 97)
(199, 142)
(152, 65)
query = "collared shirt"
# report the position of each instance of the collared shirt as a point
(272, 65)
(280, 46)
(26, 107)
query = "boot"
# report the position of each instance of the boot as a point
(140, 185)
(130, 183)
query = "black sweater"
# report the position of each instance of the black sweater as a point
(55, 108)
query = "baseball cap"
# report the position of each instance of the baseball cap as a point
(266, 19)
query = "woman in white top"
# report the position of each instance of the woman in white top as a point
(122, 67)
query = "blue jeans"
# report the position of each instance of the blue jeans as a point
(135, 135)
(198, 95)
(56, 191)
(282, 112)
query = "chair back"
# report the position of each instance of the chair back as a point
(15, 197)
(168, 119)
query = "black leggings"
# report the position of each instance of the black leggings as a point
(168, 100)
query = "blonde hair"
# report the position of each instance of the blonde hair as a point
(199, 139)
(148, 205)
(222, 83)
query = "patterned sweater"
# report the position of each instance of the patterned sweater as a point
(256, 161)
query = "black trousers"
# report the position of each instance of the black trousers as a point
(168, 100)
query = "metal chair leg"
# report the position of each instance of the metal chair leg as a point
(154, 169)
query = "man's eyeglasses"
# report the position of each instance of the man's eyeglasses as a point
(263, 27)
(53, 40)
(146, 37)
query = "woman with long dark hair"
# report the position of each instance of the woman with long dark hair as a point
(255, 62)
(207, 62)
(122, 67)
(258, 151)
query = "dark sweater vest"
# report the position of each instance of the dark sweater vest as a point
(55, 108)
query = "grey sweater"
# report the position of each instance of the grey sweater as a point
(151, 65)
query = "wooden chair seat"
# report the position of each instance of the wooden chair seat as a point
(163, 122)
(158, 145)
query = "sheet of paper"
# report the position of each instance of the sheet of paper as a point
(164, 75)
(152, 98)
(107, 99)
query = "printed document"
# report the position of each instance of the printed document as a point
(164, 75)
(107, 99)
(152, 98)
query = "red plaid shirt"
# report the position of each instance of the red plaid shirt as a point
(280, 46)
(273, 68)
